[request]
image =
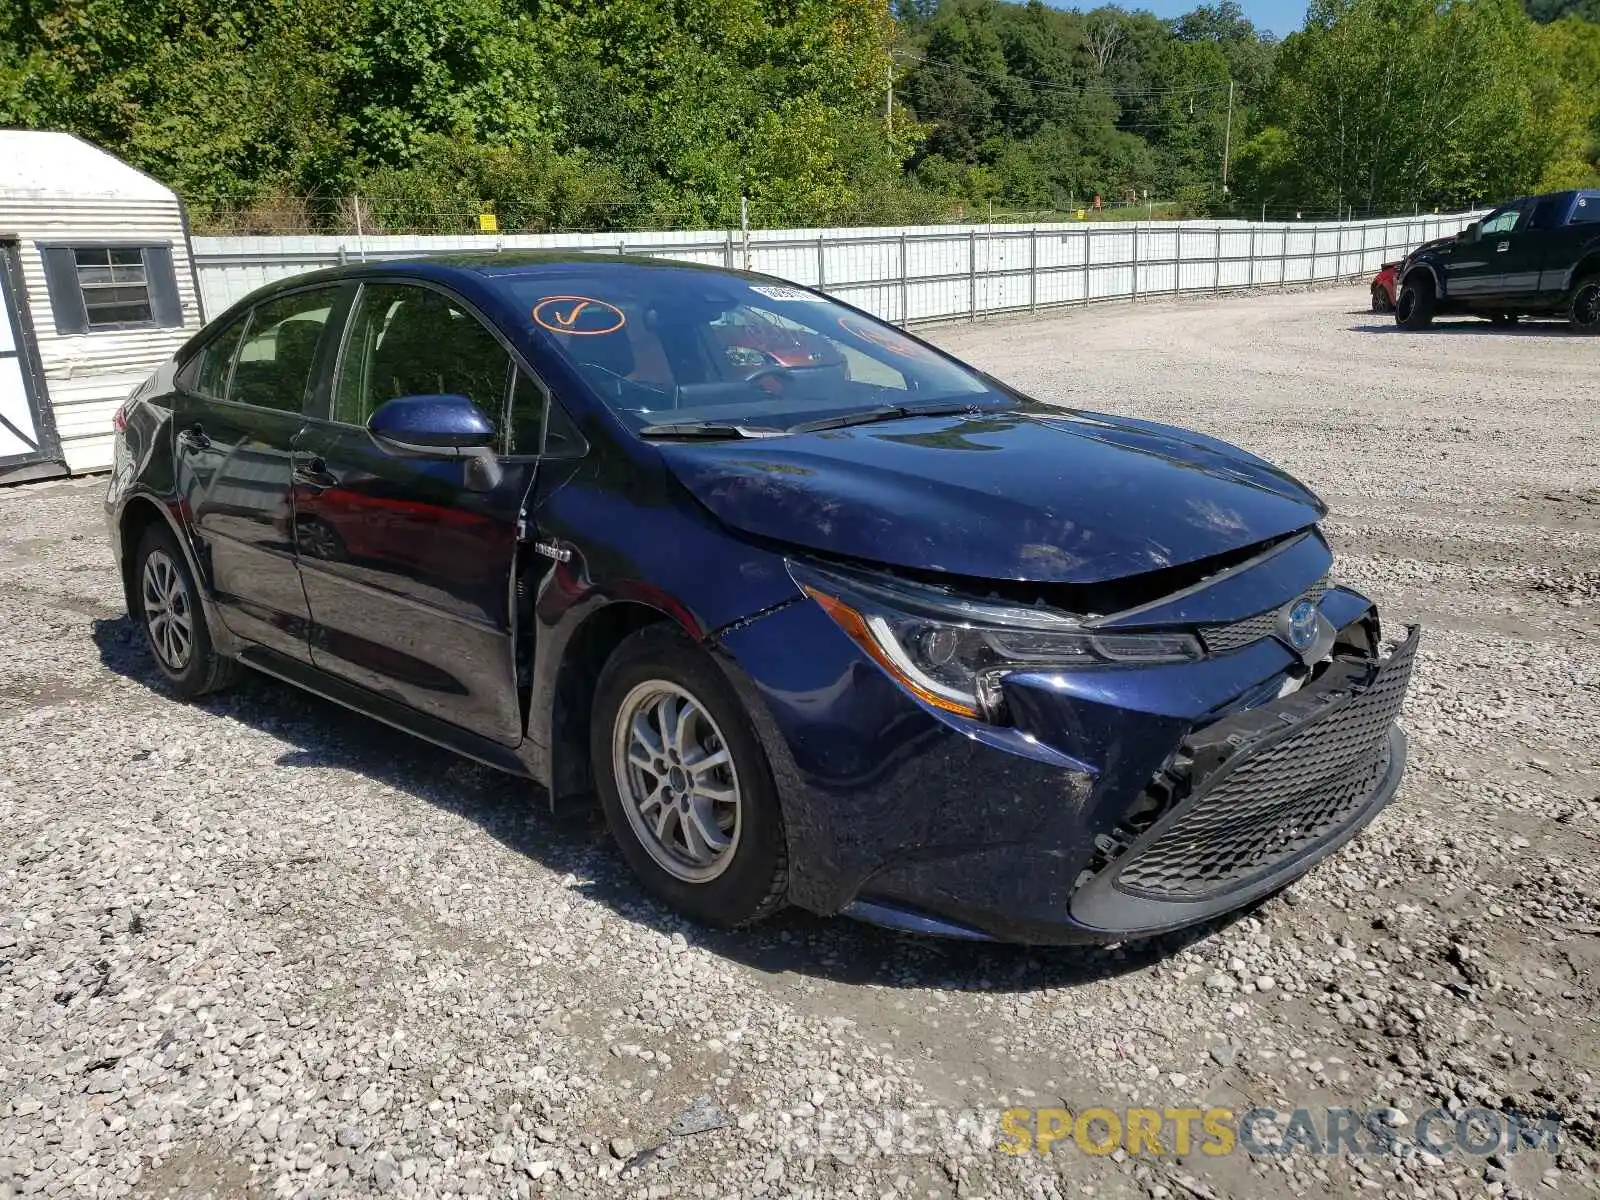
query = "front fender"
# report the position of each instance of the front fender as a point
(1424, 268)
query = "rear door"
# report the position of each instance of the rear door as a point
(408, 559)
(240, 405)
(1578, 234)
(1535, 241)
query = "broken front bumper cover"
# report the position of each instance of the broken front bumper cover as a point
(1254, 800)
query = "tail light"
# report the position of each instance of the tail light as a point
(119, 419)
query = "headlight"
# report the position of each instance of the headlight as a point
(952, 652)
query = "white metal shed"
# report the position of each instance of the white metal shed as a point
(96, 289)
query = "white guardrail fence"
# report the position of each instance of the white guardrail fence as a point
(921, 273)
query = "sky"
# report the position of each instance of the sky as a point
(1281, 17)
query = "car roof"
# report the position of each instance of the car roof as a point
(488, 264)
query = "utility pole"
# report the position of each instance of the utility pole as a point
(744, 229)
(888, 99)
(1227, 142)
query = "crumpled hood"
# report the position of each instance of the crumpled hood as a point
(1068, 497)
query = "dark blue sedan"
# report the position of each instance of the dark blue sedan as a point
(821, 615)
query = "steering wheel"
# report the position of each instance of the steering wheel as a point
(779, 375)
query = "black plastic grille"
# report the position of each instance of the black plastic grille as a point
(1262, 808)
(1222, 638)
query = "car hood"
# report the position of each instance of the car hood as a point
(1060, 497)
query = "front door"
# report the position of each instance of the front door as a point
(1475, 267)
(407, 559)
(239, 409)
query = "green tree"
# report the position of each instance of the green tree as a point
(1384, 103)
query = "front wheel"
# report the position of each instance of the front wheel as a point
(684, 783)
(173, 619)
(1414, 309)
(1585, 312)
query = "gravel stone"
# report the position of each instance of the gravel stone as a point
(1225, 1054)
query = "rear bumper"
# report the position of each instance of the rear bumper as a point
(1096, 818)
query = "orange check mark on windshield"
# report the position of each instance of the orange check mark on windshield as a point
(571, 319)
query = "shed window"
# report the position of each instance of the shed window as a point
(107, 287)
(115, 291)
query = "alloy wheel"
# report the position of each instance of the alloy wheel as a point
(319, 540)
(168, 611)
(676, 780)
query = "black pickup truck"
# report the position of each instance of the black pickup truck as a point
(1537, 256)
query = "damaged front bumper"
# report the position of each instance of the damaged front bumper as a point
(1254, 800)
(1113, 803)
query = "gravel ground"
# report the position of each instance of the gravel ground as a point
(260, 946)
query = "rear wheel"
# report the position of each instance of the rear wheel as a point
(174, 620)
(1414, 309)
(1585, 312)
(684, 783)
(1380, 299)
(318, 539)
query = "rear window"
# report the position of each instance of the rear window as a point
(1547, 213)
(662, 344)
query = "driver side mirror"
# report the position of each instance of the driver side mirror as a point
(440, 427)
(432, 424)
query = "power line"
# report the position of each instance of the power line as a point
(1090, 90)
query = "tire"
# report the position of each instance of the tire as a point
(736, 871)
(174, 620)
(1380, 300)
(1414, 308)
(1584, 313)
(318, 539)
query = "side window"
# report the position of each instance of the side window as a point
(561, 436)
(413, 341)
(1503, 222)
(279, 350)
(1586, 211)
(1547, 213)
(206, 374)
(527, 416)
(539, 425)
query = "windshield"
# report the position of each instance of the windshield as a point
(682, 350)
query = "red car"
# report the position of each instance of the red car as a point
(1385, 286)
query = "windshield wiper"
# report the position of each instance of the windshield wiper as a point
(885, 412)
(708, 429)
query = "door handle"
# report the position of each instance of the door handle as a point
(194, 437)
(1502, 247)
(314, 474)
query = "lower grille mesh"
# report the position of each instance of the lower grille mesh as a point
(1262, 809)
